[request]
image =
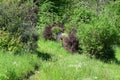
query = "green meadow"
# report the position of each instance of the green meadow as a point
(59, 40)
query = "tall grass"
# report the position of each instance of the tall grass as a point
(78, 67)
(74, 67)
(51, 47)
(16, 67)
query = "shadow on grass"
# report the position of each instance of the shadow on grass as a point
(44, 56)
(111, 60)
(117, 61)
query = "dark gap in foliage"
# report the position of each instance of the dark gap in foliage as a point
(51, 29)
(71, 42)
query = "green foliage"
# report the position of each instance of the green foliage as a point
(77, 13)
(9, 42)
(99, 37)
(81, 13)
(50, 48)
(50, 12)
(97, 32)
(18, 18)
(52, 32)
(116, 10)
(46, 15)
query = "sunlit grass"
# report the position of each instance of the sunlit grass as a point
(15, 67)
(74, 67)
(51, 47)
(78, 67)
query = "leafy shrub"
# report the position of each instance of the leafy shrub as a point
(9, 42)
(78, 12)
(29, 38)
(47, 15)
(116, 10)
(98, 38)
(83, 14)
(19, 19)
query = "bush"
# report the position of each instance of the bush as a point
(19, 19)
(9, 42)
(45, 15)
(116, 10)
(78, 12)
(48, 14)
(83, 14)
(98, 38)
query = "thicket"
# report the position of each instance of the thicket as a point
(97, 31)
(18, 18)
(9, 42)
(97, 23)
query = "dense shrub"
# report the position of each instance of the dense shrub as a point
(50, 12)
(19, 19)
(78, 12)
(96, 31)
(98, 38)
(45, 15)
(82, 13)
(116, 10)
